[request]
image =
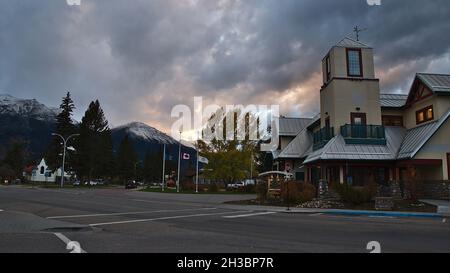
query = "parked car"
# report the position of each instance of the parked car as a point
(101, 182)
(131, 185)
(249, 182)
(76, 183)
(91, 183)
(236, 186)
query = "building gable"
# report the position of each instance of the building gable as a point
(419, 92)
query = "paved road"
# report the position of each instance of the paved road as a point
(115, 220)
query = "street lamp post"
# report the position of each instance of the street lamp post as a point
(179, 164)
(198, 153)
(164, 167)
(65, 140)
(251, 168)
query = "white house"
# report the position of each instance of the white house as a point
(42, 173)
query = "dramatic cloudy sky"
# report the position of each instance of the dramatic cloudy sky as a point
(142, 57)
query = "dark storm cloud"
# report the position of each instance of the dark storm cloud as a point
(141, 57)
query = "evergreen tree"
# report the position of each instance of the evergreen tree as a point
(15, 160)
(94, 145)
(64, 127)
(127, 160)
(152, 168)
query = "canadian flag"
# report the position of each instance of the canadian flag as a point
(186, 156)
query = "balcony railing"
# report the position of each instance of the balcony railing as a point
(322, 137)
(364, 134)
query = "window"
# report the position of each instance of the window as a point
(42, 170)
(392, 120)
(424, 115)
(328, 68)
(354, 63)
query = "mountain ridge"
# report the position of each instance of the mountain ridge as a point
(32, 122)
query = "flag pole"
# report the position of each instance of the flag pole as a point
(196, 176)
(164, 167)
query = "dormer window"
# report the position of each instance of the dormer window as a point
(354, 62)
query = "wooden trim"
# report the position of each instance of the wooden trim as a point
(448, 166)
(347, 79)
(363, 117)
(419, 92)
(426, 162)
(424, 111)
(361, 72)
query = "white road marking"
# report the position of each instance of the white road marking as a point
(316, 214)
(249, 215)
(67, 241)
(381, 217)
(1, 210)
(163, 218)
(158, 202)
(124, 213)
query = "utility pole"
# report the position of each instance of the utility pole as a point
(164, 168)
(251, 167)
(64, 153)
(179, 164)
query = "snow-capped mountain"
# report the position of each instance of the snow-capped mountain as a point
(147, 139)
(27, 121)
(141, 131)
(31, 108)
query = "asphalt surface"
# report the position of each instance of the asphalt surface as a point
(36, 220)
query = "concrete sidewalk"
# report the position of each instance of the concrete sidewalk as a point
(443, 205)
(338, 211)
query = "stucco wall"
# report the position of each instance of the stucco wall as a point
(338, 63)
(409, 117)
(341, 98)
(437, 148)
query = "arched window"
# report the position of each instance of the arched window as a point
(42, 171)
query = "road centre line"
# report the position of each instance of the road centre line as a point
(165, 202)
(163, 218)
(124, 213)
(249, 215)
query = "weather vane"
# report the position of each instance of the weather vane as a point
(357, 31)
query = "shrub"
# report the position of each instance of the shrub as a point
(261, 191)
(352, 195)
(307, 192)
(297, 192)
(249, 188)
(188, 186)
(213, 187)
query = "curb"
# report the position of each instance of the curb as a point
(370, 213)
(355, 212)
(386, 213)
